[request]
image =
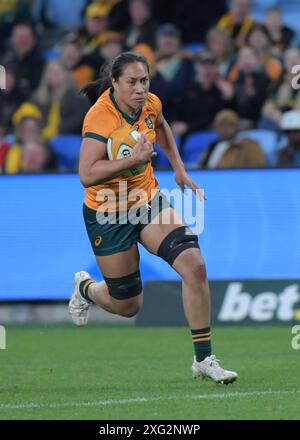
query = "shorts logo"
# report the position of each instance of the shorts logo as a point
(149, 123)
(98, 241)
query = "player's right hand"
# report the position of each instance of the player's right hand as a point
(143, 150)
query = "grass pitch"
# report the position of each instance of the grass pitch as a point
(107, 372)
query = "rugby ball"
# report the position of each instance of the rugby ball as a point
(120, 144)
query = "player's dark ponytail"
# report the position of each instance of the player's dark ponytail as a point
(113, 70)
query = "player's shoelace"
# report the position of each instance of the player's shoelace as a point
(214, 362)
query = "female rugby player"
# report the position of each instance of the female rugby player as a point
(121, 98)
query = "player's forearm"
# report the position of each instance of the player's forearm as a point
(167, 142)
(104, 170)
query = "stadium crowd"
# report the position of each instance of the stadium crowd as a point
(226, 72)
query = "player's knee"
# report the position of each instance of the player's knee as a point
(125, 288)
(131, 309)
(196, 272)
(127, 291)
(176, 242)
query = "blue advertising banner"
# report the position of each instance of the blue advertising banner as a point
(251, 230)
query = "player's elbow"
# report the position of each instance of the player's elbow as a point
(85, 180)
(89, 179)
(85, 175)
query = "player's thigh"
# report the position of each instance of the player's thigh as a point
(119, 264)
(154, 233)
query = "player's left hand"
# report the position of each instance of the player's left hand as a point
(183, 179)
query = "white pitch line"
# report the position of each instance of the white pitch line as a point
(140, 400)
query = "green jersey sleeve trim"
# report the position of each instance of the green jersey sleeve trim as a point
(98, 137)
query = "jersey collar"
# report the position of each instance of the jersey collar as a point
(127, 118)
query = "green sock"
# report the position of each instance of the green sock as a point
(84, 288)
(202, 343)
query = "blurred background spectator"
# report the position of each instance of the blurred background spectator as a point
(24, 53)
(260, 40)
(142, 27)
(290, 154)
(220, 45)
(27, 127)
(174, 71)
(251, 86)
(226, 123)
(196, 108)
(36, 157)
(10, 98)
(4, 147)
(282, 36)
(237, 21)
(242, 153)
(284, 96)
(11, 13)
(71, 57)
(95, 24)
(110, 44)
(230, 150)
(61, 106)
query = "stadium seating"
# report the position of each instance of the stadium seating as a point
(193, 48)
(267, 140)
(66, 148)
(195, 144)
(161, 161)
(259, 8)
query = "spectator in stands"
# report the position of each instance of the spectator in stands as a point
(71, 57)
(110, 44)
(174, 72)
(12, 13)
(209, 94)
(95, 24)
(226, 124)
(219, 43)
(285, 96)
(237, 21)
(290, 124)
(37, 157)
(25, 55)
(4, 147)
(148, 53)
(27, 127)
(260, 40)
(142, 28)
(251, 87)
(282, 36)
(242, 153)
(62, 108)
(10, 98)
